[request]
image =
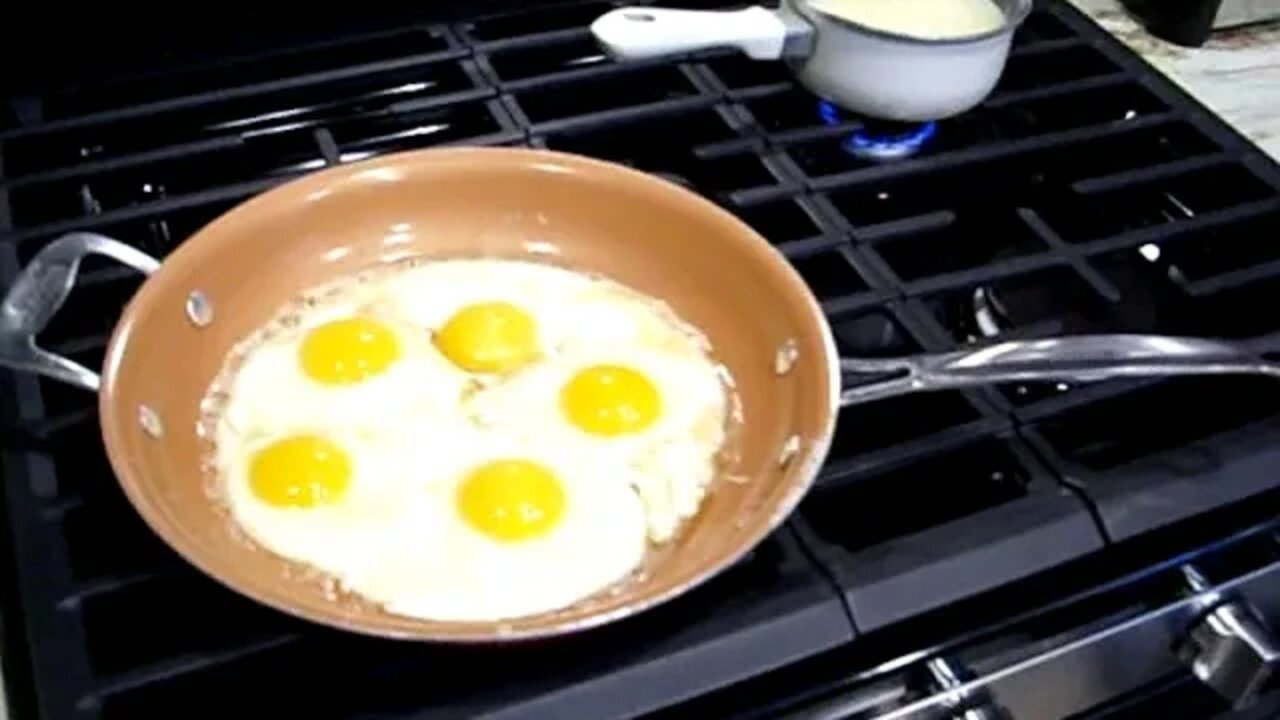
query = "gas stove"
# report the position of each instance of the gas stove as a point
(1025, 551)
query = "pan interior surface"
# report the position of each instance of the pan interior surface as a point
(507, 203)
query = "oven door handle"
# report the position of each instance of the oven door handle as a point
(1214, 629)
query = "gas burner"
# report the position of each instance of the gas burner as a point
(880, 139)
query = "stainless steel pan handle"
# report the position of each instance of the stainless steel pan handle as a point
(41, 289)
(1079, 358)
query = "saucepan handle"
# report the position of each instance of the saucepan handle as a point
(41, 289)
(637, 33)
(1081, 358)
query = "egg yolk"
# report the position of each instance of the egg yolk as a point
(302, 471)
(610, 400)
(491, 337)
(511, 500)
(348, 351)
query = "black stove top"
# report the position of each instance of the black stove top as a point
(1086, 194)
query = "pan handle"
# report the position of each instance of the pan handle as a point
(41, 289)
(1083, 358)
(638, 33)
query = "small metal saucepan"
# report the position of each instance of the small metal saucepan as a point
(765, 326)
(868, 71)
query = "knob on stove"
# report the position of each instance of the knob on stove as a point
(1232, 651)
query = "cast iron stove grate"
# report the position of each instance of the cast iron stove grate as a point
(1084, 195)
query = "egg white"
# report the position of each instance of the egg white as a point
(607, 316)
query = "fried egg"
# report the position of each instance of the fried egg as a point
(513, 531)
(325, 497)
(485, 316)
(343, 364)
(612, 400)
(493, 316)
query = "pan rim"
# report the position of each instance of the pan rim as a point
(494, 632)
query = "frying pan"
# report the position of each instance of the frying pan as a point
(762, 320)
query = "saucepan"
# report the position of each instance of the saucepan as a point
(863, 69)
(763, 323)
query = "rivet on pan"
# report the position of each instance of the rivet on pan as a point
(150, 422)
(199, 309)
(789, 450)
(785, 359)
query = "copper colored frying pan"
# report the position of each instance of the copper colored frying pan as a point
(761, 318)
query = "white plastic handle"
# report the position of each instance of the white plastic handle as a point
(637, 33)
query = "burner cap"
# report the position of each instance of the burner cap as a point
(880, 140)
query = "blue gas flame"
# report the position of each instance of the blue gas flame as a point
(866, 143)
